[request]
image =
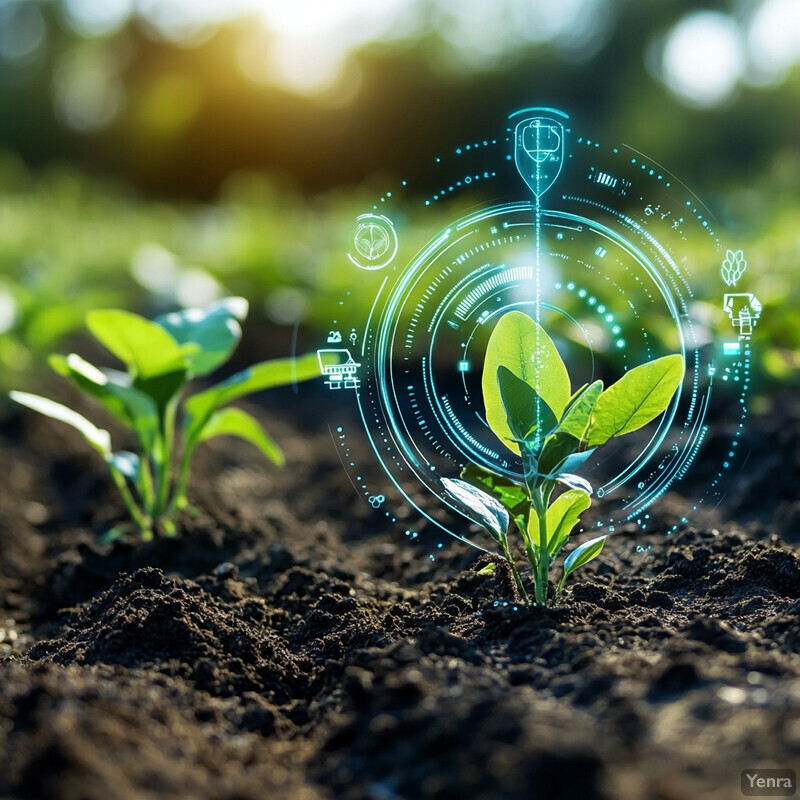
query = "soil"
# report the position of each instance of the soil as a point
(291, 643)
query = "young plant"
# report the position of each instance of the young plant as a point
(531, 408)
(161, 357)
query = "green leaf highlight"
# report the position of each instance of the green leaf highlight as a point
(637, 398)
(98, 438)
(214, 330)
(147, 349)
(235, 422)
(523, 347)
(583, 555)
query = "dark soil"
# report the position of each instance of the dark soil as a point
(292, 644)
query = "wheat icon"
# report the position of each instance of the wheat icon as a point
(733, 267)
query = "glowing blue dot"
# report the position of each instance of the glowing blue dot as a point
(633, 161)
(427, 202)
(582, 293)
(508, 158)
(688, 202)
(592, 301)
(570, 286)
(458, 151)
(601, 309)
(620, 343)
(339, 430)
(616, 329)
(609, 317)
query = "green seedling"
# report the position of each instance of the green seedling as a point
(161, 357)
(531, 408)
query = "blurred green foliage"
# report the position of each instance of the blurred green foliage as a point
(69, 243)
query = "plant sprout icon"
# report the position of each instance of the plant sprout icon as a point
(733, 267)
(371, 240)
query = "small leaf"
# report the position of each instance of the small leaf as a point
(637, 398)
(523, 347)
(490, 512)
(164, 388)
(235, 422)
(575, 482)
(215, 330)
(556, 449)
(111, 535)
(576, 419)
(144, 346)
(529, 418)
(583, 554)
(132, 408)
(126, 463)
(97, 437)
(489, 569)
(575, 396)
(511, 495)
(265, 375)
(573, 462)
(562, 516)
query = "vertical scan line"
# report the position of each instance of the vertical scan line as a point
(537, 267)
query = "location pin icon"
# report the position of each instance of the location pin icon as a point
(539, 152)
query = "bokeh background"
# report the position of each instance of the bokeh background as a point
(156, 153)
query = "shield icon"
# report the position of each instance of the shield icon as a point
(539, 152)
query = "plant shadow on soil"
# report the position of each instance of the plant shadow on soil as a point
(294, 644)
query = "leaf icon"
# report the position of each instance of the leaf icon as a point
(371, 241)
(733, 267)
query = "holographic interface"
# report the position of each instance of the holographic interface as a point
(596, 242)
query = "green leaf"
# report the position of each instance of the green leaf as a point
(489, 511)
(575, 396)
(132, 408)
(98, 438)
(637, 398)
(126, 463)
(576, 419)
(147, 349)
(513, 496)
(265, 375)
(523, 347)
(214, 329)
(562, 517)
(556, 449)
(575, 482)
(111, 535)
(489, 569)
(529, 418)
(235, 422)
(583, 555)
(163, 389)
